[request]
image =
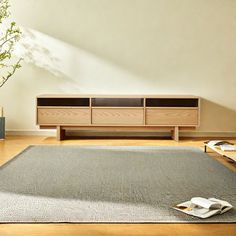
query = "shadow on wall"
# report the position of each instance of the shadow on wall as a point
(82, 71)
(217, 118)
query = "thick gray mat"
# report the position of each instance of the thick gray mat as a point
(111, 184)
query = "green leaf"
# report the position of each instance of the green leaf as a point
(8, 38)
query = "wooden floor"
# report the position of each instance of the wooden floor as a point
(14, 144)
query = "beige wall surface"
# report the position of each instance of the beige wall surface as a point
(125, 47)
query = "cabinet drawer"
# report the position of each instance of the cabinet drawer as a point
(63, 116)
(168, 116)
(117, 116)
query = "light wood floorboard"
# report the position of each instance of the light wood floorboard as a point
(15, 144)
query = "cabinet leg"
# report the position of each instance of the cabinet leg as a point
(60, 133)
(175, 133)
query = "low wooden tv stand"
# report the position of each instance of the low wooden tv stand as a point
(118, 113)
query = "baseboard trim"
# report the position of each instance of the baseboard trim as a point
(207, 134)
(31, 132)
(122, 134)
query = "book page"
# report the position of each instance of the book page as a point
(205, 203)
(225, 206)
(190, 209)
(212, 207)
(213, 142)
(227, 147)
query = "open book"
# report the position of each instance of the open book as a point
(223, 145)
(203, 208)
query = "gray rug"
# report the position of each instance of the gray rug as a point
(110, 184)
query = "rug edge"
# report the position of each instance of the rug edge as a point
(16, 156)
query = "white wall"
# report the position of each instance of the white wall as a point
(126, 47)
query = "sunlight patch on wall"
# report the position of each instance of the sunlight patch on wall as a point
(83, 72)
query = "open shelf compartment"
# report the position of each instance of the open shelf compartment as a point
(81, 102)
(117, 102)
(171, 102)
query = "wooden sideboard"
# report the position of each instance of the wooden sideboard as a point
(118, 113)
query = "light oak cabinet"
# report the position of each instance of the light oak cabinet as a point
(172, 116)
(117, 116)
(118, 113)
(63, 116)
